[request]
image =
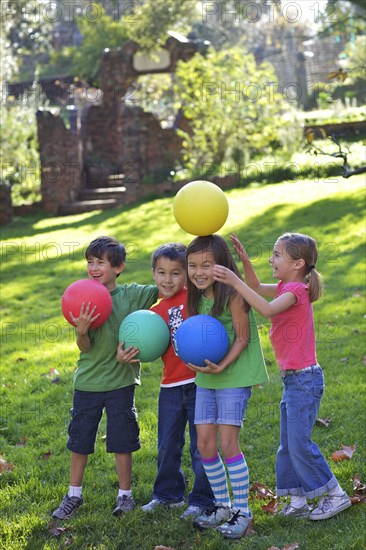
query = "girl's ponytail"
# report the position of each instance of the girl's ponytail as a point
(314, 282)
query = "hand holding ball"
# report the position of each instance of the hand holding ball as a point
(201, 337)
(85, 291)
(147, 331)
(200, 208)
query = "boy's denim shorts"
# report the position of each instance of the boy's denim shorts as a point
(122, 426)
(224, 406)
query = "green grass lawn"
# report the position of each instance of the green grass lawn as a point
(42, 255)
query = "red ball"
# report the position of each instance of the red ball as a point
(87, 290)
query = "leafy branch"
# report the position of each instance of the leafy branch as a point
(314, 149)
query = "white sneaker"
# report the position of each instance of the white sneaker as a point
(212, 517)
(156, 503)
(192, 512)
(236, 526)
(330, 506)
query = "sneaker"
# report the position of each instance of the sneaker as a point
(293, 512)
(155, 503)
(330, 506)
(192, 512)
(67, 507)
(212, 517)
(236, 526)
(124, 504)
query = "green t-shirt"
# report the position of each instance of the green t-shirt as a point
(248, 369)
(98, 369)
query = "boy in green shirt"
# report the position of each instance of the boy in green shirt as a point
(105, 378)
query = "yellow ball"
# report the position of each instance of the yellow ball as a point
(200, 208)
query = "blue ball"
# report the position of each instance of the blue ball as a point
(201, 337)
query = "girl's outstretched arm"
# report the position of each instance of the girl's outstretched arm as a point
(250, 275)
(267, 309)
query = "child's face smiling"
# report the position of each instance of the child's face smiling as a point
(200, 271)
(170, 276)
(283, 267)
(100, 269)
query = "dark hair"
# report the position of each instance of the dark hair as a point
(302, 247)
(107, 247)
(222, 293)
(172, 251)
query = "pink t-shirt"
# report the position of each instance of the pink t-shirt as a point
(292, 331)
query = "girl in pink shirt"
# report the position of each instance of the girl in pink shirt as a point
(301, 470)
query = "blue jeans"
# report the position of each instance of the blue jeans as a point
(176, 408)
(301, 469)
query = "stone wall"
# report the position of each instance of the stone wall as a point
(126, 140)
(60, 162)
(114, 138)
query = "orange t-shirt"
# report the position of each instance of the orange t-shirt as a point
(174, 311)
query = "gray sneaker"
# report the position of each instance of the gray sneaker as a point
(236, 526)
(212, 517)
(67, 507)
(192, 512)
(157, 503)
(291, 511)
(330, 506)
(124, 504)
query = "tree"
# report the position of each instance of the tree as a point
(145, 22)
(313, 149)
(232, 108)
(343, 17)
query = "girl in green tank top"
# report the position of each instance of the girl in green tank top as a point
(223, 389)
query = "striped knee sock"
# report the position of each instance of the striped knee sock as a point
(239, 479)
(216, 475)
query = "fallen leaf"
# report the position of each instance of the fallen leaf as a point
(357, 499)
(364, 360)
(4, 466)
(55, 530)
(52, 372)
(22, 443)
(358, 487)
(47, 455)
(344, 360)
(262, 492)
(324, 421)
(345, 453)
(163, 548)
(271, 507)
(68, 541)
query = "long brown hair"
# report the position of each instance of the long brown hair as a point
(222, 293)
(302, 247)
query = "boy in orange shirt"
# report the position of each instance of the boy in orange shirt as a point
(177, 395)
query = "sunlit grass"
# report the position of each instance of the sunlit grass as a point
(42, 255)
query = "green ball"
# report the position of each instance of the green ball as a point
(147, 331)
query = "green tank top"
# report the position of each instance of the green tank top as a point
(248, 369)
